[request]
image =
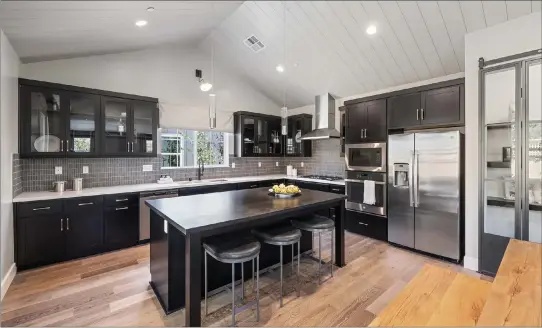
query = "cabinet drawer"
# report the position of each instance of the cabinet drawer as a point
(120, 199)
(367, 225)
(336, 189)
(249, 185)
(42, 207)
(121, 226)
(83, 204)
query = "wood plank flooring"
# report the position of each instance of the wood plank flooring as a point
(113, 290)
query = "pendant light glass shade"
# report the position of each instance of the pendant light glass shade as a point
(284, 120)
(212, 111)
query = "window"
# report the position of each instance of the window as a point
(187, 148)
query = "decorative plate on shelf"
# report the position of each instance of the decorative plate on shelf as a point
(47, 144)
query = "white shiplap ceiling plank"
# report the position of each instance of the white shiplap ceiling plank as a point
(360, 16)
(389, 38)
(369, 76)
(456, 28)
(495, 12)
(362, 43)
(517, 8)
(473, 14)
(536, 5)
(414, 19)
(439, 34)
(397, 22)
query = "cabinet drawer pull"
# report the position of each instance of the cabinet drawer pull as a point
(121, 208)
(61, 224)
(41, 208)
(334, 189)
(121, 200)
(85, 204)
(253, 186)
(365, 224)
(67, 223)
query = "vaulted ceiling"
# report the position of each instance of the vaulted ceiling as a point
(322, 44)
(328, 50)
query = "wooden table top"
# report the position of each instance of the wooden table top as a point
(515, 297)
(204, 212)
(436, 297)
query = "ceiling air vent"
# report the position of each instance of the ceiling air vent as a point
(254, 43)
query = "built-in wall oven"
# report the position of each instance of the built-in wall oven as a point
(369, 157)
(356, 188)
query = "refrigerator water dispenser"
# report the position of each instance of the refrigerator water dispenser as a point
(400, 175)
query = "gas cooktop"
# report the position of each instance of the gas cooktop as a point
(322, 177)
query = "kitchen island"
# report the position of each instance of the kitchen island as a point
(180, 225)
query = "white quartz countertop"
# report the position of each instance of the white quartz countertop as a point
(47, 195)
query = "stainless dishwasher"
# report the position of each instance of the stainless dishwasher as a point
(145, 212)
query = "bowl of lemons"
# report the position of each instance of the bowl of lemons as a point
(285, 191)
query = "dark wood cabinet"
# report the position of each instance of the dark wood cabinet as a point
(366, 122)
(121, 226)
(257, 135)
(404, 111)
(40, 240)
(441, 106)
(367, 225)
(84, 229)
(58, 120)
(298, 125)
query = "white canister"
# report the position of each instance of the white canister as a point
(289, 170)
(294, 172)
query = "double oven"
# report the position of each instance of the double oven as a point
(366, 162)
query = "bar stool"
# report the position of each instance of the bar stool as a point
(319, 224)
(235, 250)
(282, 235)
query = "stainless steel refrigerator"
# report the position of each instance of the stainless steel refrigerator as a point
(425, 209)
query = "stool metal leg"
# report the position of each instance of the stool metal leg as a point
(332, 248)
(205, 265)
(253, 281)
(281, 276)
(319, 255)
(233, 294)
(298, 265)
(293, 245)
(242, 281)
(258, 288)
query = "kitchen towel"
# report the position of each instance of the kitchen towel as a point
(369, 195)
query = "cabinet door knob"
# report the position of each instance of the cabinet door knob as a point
(67, 145)
(67, 223)
(417, 114)
(41, 208)
(121, 208)
(61, 224)
(422, 115)
(85, 204)
(361, 133)
(365, 224)
(61, 145)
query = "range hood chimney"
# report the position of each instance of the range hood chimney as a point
(324, 117)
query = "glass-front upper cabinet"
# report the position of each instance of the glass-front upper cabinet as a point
(42, 120)
(143, 132)
(262, 137)
(83, 123)
(115, 113)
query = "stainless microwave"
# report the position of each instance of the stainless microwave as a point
(369, 157)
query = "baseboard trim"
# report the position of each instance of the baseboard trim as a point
(8, 279)
(470, 263)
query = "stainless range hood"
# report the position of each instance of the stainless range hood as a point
(324, 117)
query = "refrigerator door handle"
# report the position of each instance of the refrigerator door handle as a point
(416, 180)
(411, 179)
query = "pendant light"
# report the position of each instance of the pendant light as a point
(212, 95)
(284, 109)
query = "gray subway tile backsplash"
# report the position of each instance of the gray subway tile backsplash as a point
(38, 174)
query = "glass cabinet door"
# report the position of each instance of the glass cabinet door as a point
(115, 126)
(532, 223)
(249, 136)
(262, 138)
(275, 138)
(45, 130)
(83, 118)
(144, 137)
(502, 191)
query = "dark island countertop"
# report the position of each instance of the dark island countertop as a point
(198, 213)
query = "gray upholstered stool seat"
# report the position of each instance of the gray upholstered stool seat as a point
(279, 235)
(318, 223)
(233, 250)
(282, 235)
(314, 223)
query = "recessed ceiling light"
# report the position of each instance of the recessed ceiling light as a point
(280, 68)
(150, 9)
(371, 30)
(141, 23)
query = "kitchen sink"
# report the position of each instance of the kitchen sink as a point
(219, 180)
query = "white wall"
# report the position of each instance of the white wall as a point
(166, 73)
(9, 106)
(509, 38)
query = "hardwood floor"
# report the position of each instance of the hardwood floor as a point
(113, 290)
